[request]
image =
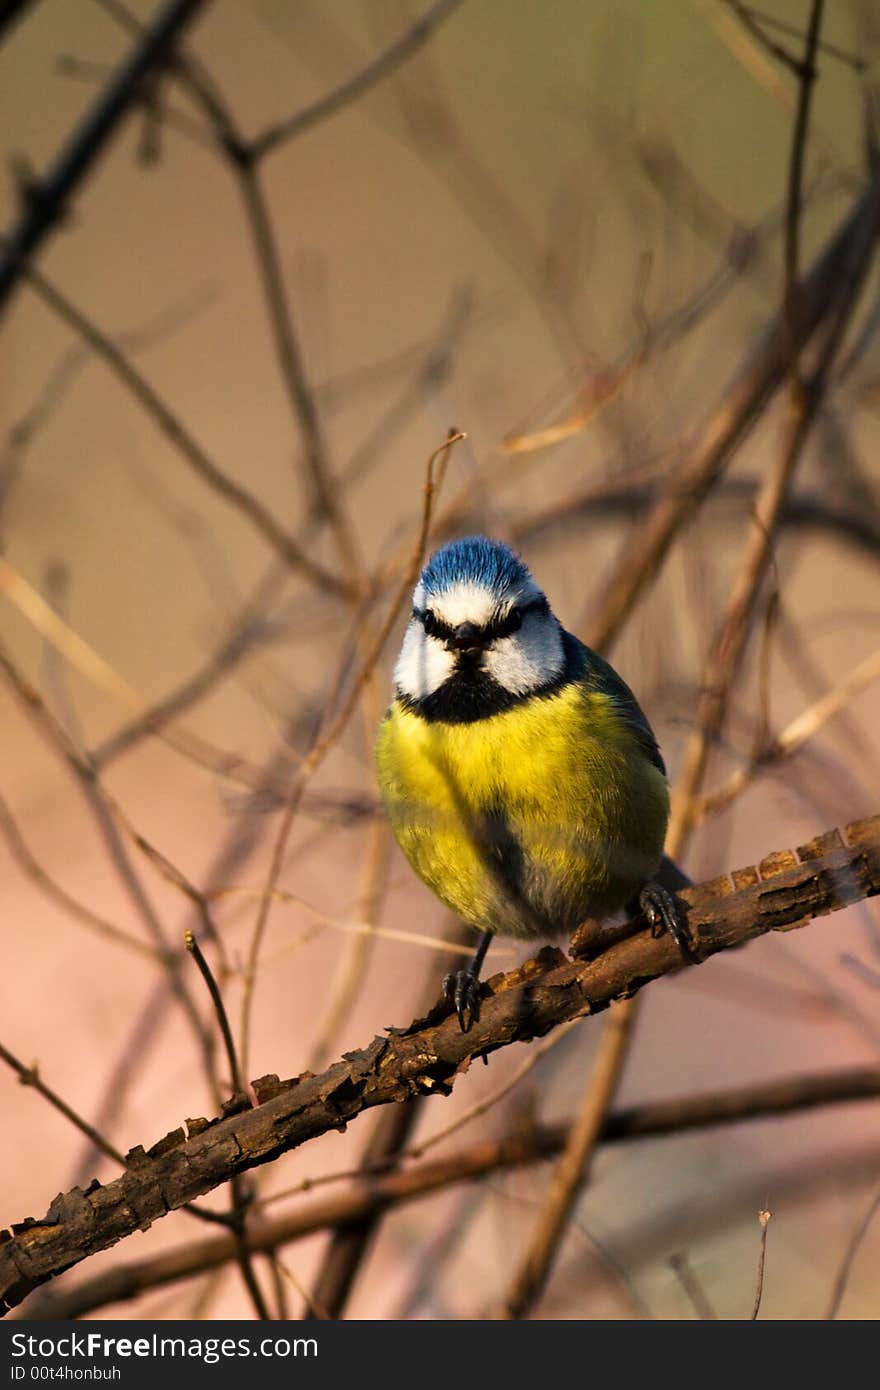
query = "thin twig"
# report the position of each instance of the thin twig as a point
(239, 843)
(125, 1068)
(63, 639)
(764, 1219)
(706, 455)
(351, 972)
(442, 140)
(754, 20)
(385, 1149)
(433, 370)
(68, 367)
(313, 1310)
(791, 289)
(277, 1273)
(794, 736)
(180, 438)
(391, 57)
(30, 1076)
(293, 371)
(106, 813)
(61, 636)
(365, 928)
(750, 21)
(347, 1249)
(732, 635)
(52, 890)
(633, 498)
(239, 1199)
(572, 1170)
(431, 1258)
(602, 386)
(244, 636)
(327, 740)
(243, 1254)
(207, 975)
(696, 1294)
(845, 1270)
(48, 198)
(243, 158)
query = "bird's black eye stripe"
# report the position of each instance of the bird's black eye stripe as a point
(432, 624)
(506, 626)
(498, 627)
(512, 621)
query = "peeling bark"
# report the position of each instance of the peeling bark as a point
(786, 890)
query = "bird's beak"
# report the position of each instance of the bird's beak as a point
(465, 638)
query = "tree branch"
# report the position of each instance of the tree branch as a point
(232, 492)
(380, 1190)
(705, 457)
(47, 198)
(785, 890)
(406, 43)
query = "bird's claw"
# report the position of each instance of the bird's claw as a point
(462, 987)
(663, 913)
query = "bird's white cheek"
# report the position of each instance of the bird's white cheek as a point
(423, 665)
(529, 660)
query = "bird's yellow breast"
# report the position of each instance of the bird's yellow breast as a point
(529, 820)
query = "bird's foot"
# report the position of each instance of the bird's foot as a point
(663, 913)
(462, 987)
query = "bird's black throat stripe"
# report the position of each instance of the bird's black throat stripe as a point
(471, 693)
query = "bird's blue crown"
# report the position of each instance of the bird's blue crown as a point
(474, 560)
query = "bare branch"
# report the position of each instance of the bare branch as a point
(175, 431)
(793, 737)
(751, 21)
(322, 745)
(787, 889)
(377, 1192)
(791, 293)
(384, 1151)
(30, 1076)
(758, 20)
(391, 57)
(239, 1202)
(572, 1170)
(105, 813)
(852, 1249)
(48, 198)
(764, 1219)
(731, 638)
(207, 975)
(20, 851)
(696, 1294)
(325, 493)
(707, 454)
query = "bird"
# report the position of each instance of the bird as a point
(521, 779)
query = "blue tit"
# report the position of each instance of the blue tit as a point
(522, 780)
